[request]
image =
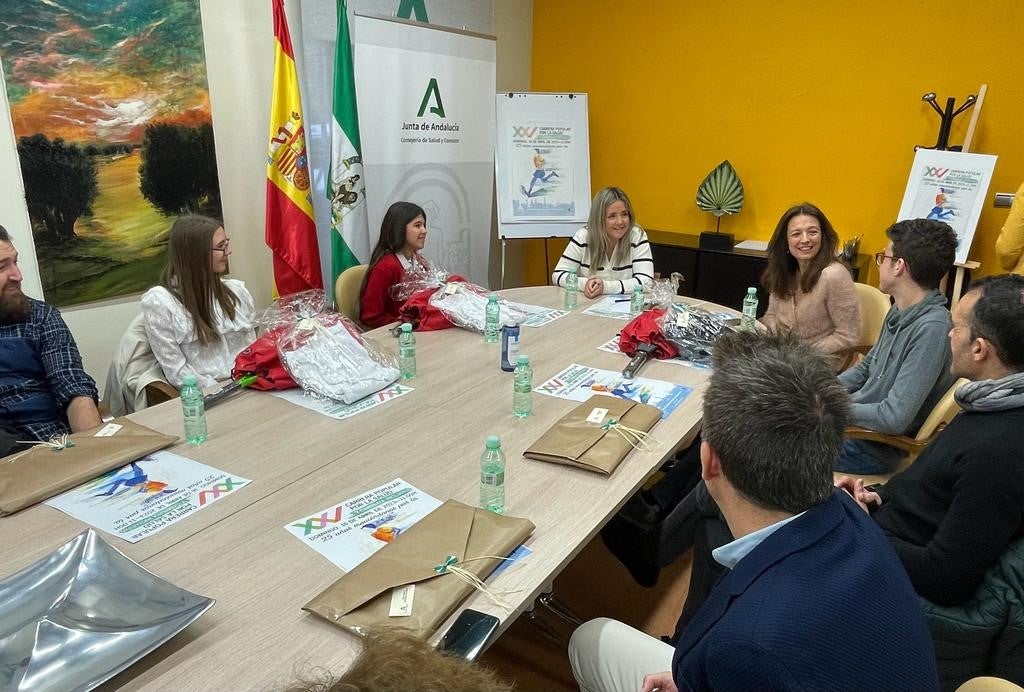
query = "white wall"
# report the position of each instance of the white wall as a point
(238, 36)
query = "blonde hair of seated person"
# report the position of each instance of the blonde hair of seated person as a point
(395, 661)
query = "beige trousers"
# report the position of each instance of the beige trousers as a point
(609, 656)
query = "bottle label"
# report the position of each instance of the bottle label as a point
(492, 479)
(192, 410)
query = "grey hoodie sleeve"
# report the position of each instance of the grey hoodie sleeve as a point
(921, 363)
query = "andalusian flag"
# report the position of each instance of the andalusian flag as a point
(290, 230)
(350, 239)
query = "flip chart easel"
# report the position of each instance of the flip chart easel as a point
(542, 166)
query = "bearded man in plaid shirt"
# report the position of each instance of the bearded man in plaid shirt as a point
(44, 390)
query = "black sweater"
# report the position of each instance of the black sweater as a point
(954, 511)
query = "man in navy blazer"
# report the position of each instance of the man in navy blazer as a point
(815, 597)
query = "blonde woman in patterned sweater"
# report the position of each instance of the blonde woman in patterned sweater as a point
(611, 253)
(810, 291)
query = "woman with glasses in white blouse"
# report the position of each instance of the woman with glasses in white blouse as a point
(196, 320)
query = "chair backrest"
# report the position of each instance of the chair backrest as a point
(874, 306)
(134, 371)
(944, 411)
(346, 291)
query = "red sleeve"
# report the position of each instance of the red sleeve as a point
(375, 306)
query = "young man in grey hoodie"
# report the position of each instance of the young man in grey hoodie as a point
(895, 387)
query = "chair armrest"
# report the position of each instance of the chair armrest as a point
(911, 445)
(907, 444)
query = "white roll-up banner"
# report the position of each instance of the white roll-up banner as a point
(426, 115)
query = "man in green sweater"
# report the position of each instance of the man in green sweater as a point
(907, 371)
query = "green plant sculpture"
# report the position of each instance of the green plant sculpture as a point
(721, 192)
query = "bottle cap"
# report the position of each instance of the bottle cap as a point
(406, 327)
(638, 287)
(493, 442)
(492, 297)
(751, 291)
(189, 380)
(523, 360)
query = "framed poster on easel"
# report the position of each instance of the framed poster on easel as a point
(542, 165)
(949, 186)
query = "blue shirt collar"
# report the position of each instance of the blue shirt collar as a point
(730, 554)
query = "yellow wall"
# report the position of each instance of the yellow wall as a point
(810, 100)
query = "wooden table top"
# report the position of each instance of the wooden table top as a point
(238, 552)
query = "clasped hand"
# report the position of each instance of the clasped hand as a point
(593, 288)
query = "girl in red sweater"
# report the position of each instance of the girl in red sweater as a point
(403, 232)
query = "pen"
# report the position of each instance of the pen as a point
(622, 300)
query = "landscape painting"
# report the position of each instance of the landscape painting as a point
(111, 113)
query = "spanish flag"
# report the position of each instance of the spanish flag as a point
(290, 230)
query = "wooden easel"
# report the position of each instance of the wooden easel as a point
(958, 277)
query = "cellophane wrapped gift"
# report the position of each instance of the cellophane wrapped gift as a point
(421, 275)
(693, 331)
(661, 293)
(464, 304)
(324, 351)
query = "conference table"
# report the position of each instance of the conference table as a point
(300, 461)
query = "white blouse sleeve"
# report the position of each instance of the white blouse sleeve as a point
(165, 321)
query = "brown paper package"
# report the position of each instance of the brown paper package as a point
(361, 600)
(576, 442)
(39, 473)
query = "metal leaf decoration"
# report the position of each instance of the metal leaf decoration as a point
(721, 192)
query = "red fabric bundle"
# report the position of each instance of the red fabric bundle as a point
(645, 328)
(418, 312)
(261, 358)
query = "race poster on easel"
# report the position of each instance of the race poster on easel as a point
(542, 158)
(949, 186)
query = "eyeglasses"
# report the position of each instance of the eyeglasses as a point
(223, 247)
(880, 257)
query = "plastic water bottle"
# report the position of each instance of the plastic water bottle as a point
(407, 352)
(491, 314)
(572, 289)
(492, 476)
(522, 388)
(193, 410)
(636, 301)
(749, 309)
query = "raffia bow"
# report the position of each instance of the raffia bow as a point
(452, 565)
(56, 443)
(637, 439)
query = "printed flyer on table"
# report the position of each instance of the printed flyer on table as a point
(147, 496)
(351, 531)
(580, 382)
(337, 409)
